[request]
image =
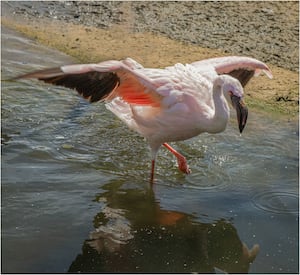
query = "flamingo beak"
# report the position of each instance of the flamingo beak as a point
(241, 111)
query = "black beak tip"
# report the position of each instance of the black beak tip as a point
(241, 128)
(242, 118)
(241, 111)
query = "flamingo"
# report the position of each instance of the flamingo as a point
(164, 105)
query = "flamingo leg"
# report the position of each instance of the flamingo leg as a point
(181, 160)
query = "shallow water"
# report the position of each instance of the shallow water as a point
(76, 195)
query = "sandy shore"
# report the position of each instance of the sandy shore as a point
(158, 34)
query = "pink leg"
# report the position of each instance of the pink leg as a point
(181, 160)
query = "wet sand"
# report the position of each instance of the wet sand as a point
(157, 35)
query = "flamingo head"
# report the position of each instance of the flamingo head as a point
(234, 89)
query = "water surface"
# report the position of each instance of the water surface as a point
(76, 194)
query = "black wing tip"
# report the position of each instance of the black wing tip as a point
(243, 75)
(97, 86)
(93, 86)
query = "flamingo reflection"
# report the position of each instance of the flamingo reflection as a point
(134, 234)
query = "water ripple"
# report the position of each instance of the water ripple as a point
(277, 202)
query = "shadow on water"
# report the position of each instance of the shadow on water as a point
(132, 233)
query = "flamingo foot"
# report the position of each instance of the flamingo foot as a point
(182, 165)
(181, 160)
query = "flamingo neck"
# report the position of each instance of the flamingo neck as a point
(221, 114)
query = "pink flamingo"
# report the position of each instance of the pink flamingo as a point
(164, 105)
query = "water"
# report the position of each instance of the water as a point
(76, 195)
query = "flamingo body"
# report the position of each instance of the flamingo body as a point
(164, 105)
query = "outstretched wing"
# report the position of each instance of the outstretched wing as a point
(240, 67)
(102, 81)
